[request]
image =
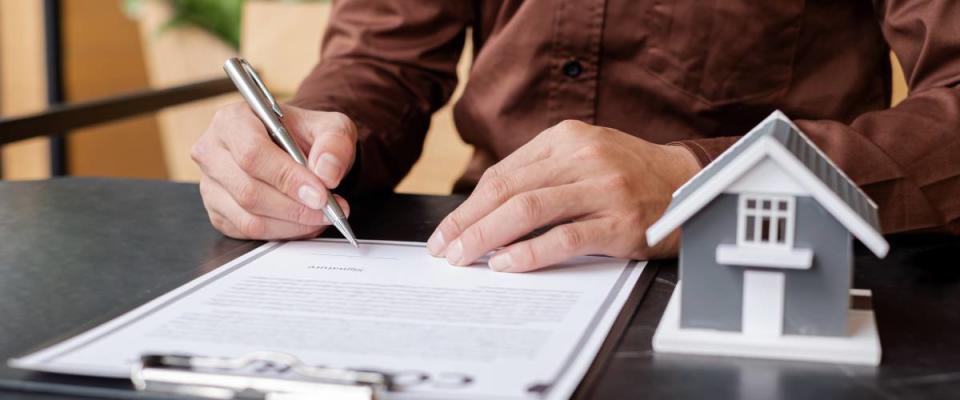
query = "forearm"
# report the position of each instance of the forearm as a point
(383, 69)
(904, 158)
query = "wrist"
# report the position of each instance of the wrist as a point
(685, 163)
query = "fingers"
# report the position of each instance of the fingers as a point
(256, 196)
(557, 245)
(221, 223)
(253, 189)
(259, 158)
(519, 216)
(531, 152)
(234, 221)
(491, 193)
(541, 147)
(331, 155)
(344, 206)
(529, 167)
(331, 138)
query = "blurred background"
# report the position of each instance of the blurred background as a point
(75, 51)
(55, 52)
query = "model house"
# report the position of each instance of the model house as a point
(767, 232)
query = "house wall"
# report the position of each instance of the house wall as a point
(712, 294)
(816, 300)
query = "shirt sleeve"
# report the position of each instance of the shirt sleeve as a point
(906, 158)
(388, 65)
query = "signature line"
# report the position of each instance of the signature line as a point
(346, 255)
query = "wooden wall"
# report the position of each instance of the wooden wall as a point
(899, 81)
(102, 57)
(22, 84)
(179, 56)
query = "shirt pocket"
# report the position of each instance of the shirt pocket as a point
(723, 51)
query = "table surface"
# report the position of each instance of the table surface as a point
(76, 252)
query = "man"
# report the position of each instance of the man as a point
(590, 113)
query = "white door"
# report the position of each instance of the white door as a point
(763, 303)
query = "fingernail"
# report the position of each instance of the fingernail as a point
(310, 197)
(328, 167)
(435, 243)
(455, 253)
(501, 262)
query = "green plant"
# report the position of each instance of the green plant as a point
(219, 17)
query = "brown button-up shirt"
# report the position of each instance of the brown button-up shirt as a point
(698, 73)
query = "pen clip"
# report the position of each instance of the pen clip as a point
(263, 88)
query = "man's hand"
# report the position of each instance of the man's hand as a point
(604, 187)
(252, 189)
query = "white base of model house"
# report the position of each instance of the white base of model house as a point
(861, 347)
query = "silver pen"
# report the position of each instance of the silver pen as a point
(266, 108)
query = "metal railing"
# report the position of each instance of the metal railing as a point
(63, 118)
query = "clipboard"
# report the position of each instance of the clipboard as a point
(259, 375)
(279, 376)
(164, 375)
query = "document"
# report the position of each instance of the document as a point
(442, 331)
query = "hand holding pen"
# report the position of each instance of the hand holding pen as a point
(254, 189)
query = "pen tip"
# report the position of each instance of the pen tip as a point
(353, 242)
(344, 228)
(348, 234)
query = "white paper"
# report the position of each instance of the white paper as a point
(387, 306)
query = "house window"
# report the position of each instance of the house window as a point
(765, 220)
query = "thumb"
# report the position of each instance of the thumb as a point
(334, 146)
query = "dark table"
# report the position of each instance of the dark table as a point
(77, 252)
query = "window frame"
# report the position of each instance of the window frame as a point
(774, 213)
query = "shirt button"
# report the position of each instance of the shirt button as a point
(572, 68)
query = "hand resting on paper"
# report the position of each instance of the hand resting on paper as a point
(602, 186)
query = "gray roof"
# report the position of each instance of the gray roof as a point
(794, 141)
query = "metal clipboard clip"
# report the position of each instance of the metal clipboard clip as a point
(260, 375)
